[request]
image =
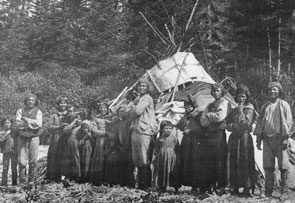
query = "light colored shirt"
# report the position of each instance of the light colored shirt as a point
(219, 111)
(32, 123)
(272, 120)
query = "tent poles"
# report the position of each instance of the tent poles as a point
(178, 77)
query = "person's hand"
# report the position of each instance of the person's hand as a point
(25, 119)
(81, 142)
(78, 122)
(258, 145)
(285, 144)
(88, 135)
(241, 107)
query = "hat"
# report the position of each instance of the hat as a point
(242, 89)
(217, 85)
(275, 84)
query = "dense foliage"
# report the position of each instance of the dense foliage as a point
(90, 49)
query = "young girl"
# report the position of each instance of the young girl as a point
(8, 148)
(166, 160)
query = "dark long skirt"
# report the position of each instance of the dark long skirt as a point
(186, 172)
(242, 161)
(111, 169)
(203, 165)
(54, 158)
(70, 165)
(217, 144)
(126, 169)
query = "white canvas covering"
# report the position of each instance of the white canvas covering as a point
(165, 73)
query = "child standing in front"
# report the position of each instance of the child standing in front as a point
(8, 148)
(166, 150)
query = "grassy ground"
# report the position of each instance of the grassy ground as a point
(87, 193)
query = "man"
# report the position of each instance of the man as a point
(143, 127)
(273, 127)
(29, 122)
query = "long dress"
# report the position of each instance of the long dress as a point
(240, 147)
(112, 155)
(122, 130)
(99, 141)
(196, 166)
(214, 119)
(70, 156)
(167, 161)
(55, 146)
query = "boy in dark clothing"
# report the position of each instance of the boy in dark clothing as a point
(8, 148)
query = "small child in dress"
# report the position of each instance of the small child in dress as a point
(8, 148)
(166, 149)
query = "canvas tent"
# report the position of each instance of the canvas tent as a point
(191, 78)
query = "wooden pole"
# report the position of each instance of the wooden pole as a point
(178, 76)
(269, 55)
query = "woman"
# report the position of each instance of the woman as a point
(143, 127)
(240, 144)
(56, 125)
(99, 140)
(213, 118)
(122, 131)
(196, 169)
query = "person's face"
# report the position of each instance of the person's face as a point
(216, 93)
(188, 108)
(274, 92)
(7, 125)
(70, 110)
(103, 110)
(167, 130)
(241, 98)
(31, 102)
(121, 113)
(62, 105)
(142, 88)
(85, 128)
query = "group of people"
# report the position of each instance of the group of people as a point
(120, 147)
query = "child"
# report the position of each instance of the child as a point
(8, 148)
(166, 161)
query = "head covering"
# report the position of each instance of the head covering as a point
(242, 89)
(275, 84)
(217, 85)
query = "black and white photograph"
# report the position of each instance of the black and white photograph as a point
(146, 101)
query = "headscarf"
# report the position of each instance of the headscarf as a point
(275, 84)
(242, 89)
